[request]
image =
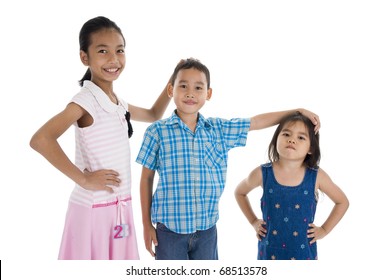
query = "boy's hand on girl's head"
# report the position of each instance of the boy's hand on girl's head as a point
(313, 117)
(105, 179)
(260, 228)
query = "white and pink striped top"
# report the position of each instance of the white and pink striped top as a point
(103, 145)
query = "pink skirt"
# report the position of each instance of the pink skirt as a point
(101, 232)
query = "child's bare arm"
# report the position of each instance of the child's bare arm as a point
(146, 187)
(269, 119)
(45, 142)
(253, 180)
(327, 186)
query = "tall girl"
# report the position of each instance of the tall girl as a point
(99, 221)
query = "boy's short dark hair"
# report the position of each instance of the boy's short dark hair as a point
(188, 64)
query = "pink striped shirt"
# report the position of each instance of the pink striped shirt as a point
(103, 145)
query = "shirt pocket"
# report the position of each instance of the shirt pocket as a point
(215, 154)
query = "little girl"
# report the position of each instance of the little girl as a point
(291, 182)
(99, 222)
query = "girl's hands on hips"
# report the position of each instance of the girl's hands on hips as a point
(105, 179)
(315, 233)
(260, 228)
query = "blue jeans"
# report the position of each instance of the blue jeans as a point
(201, 245)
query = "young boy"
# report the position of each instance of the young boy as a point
(190, 154)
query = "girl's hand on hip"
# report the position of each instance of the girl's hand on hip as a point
(104, 179)
(260, 228)
(315, 233)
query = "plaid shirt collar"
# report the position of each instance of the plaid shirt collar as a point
(201, 123)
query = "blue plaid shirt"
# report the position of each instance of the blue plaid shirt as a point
(192, 168)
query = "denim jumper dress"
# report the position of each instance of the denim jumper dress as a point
(287, 211)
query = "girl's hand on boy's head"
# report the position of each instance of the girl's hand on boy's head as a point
(315, 233)
(260, 228)
(105, 179)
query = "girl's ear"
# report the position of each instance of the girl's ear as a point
(84, 58)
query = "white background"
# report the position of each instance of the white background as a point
(331, 57)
